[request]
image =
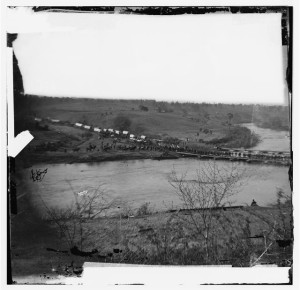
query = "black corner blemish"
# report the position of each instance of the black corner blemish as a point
(11, 209)
(290, 173)
(10, 38)
(288, 37)
(74, 9)
(164, 10)
(289, 43)
(291, 276)
(20, 109)
(11, 185)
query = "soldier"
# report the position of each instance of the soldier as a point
(253, 203)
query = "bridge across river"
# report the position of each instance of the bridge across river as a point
(250, 156)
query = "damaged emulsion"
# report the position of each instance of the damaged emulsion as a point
(38, 174)
(19, 96)
(163, 10)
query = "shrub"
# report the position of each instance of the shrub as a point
(144, 209)
(71, 221)
(143, 108)
(86, 135)
(237, 137)
(122, 123)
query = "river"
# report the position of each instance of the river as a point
(140, 181)
(270, 139)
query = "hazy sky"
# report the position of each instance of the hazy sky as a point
(203, 58)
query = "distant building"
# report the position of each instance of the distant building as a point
(87, 127)
(97, 129)
(111, 130)
(143, 137)
(54, 120)
(78, 124)
(38, 119)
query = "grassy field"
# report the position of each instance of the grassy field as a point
(65, 139)
(174, 119)
(204, 125)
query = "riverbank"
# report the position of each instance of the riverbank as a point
(66, 144)
(150, 238)
(237, 137)
(27, 160)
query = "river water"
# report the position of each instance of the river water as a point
(140, 181)
(270, 139)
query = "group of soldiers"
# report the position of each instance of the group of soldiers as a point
(108, 144)
(137, 146)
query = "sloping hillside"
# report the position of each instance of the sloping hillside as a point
(195, 121)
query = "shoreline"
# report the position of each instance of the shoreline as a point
(33, 159)
(27, 160)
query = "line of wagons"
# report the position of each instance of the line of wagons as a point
(103, 132)
(218, 152)
(112, 133)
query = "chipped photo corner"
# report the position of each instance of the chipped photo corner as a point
(149, 145)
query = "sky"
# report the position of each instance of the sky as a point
(228, 58)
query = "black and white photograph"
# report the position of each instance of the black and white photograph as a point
(149, 137)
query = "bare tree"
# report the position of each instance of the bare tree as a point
(230, 117)
(211, 188)
(87, 205)
(93, 203)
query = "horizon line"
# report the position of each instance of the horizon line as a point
(158, 100)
